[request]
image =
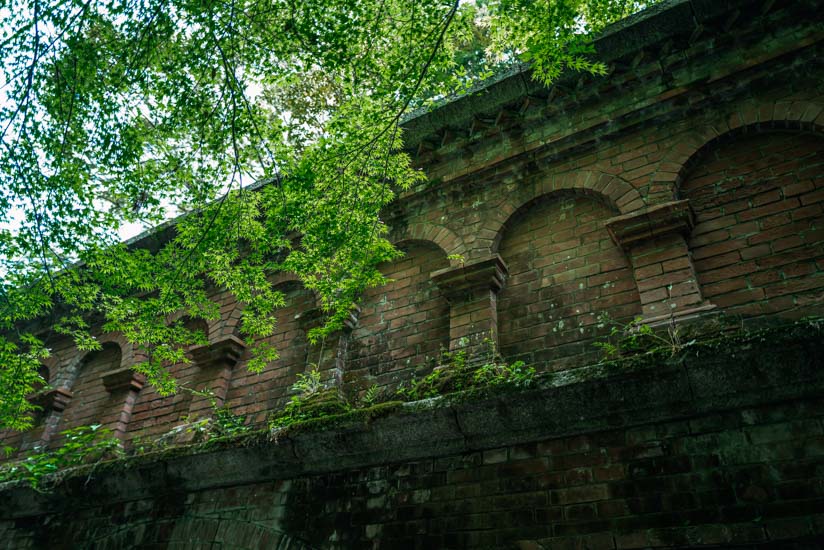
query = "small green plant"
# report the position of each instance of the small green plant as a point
(223, 421)
(457, 258)
(83, 445)
(227, 423)
(371, 396)
(636, 337)
(455, 375)
(495, 374)
(314, 400)
(309, 383)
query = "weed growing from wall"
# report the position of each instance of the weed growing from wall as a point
(83, 445)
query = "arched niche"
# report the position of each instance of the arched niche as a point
(154, 414)
(26, 440)
(404, 324)
(256, 394)
(91, 401)
(564, 273)
(758, 241)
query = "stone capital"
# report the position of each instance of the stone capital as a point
(224, 352)
(122, 379)
(484, 274)
(629, 230)
(54, 399)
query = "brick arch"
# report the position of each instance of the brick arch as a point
(564, 273)
(758, 199)
(66, 374)
(229, 322)
(92, 402)
(254, 395)
(617, 193)
(437, 235)
(748, 119)
(403, 324)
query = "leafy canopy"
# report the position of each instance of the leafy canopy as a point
(122, 112)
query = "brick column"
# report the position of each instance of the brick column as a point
(123, 380)
(472, 291)
(330, 354)
(52, 404)
(215, 362)
(655, 243)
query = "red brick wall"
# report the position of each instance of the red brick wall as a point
(256, 395)
(564, 271)
(91, 403)
(154, 414)
(758, 243)
(403, 325)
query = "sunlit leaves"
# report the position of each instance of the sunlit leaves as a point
(270, 126)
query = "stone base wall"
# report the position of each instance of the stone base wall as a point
(723, 445)
(687, 181)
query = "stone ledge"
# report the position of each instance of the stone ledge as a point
(122, 379)
(54, 399)
(655, 221)
(766, 367)
(227, 350)
(484, 274)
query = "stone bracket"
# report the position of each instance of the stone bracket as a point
(655, 221)
(485, 274)
(122, 379)
(54, 399)
(226, 351)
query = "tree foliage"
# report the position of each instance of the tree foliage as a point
(271, 127)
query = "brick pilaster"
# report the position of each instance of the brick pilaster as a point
(472, 291)
(215, 361)
(52, 403)
(329, 354)
(123, 381)
(655, 242)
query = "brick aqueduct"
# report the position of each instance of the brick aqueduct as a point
(686, 184)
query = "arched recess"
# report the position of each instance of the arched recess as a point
(564, 272)
(747, 118)
(758, 197)
(440, 236)
(91, 402)
(617, 194)
(26, 440)
(154, 414)
(403, 325)
(232, 311)
(255, 395)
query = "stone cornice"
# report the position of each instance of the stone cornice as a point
(54, 399)
(122, 379)
(645, 38)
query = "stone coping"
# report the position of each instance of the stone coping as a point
(666, 21)
(751, 370)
